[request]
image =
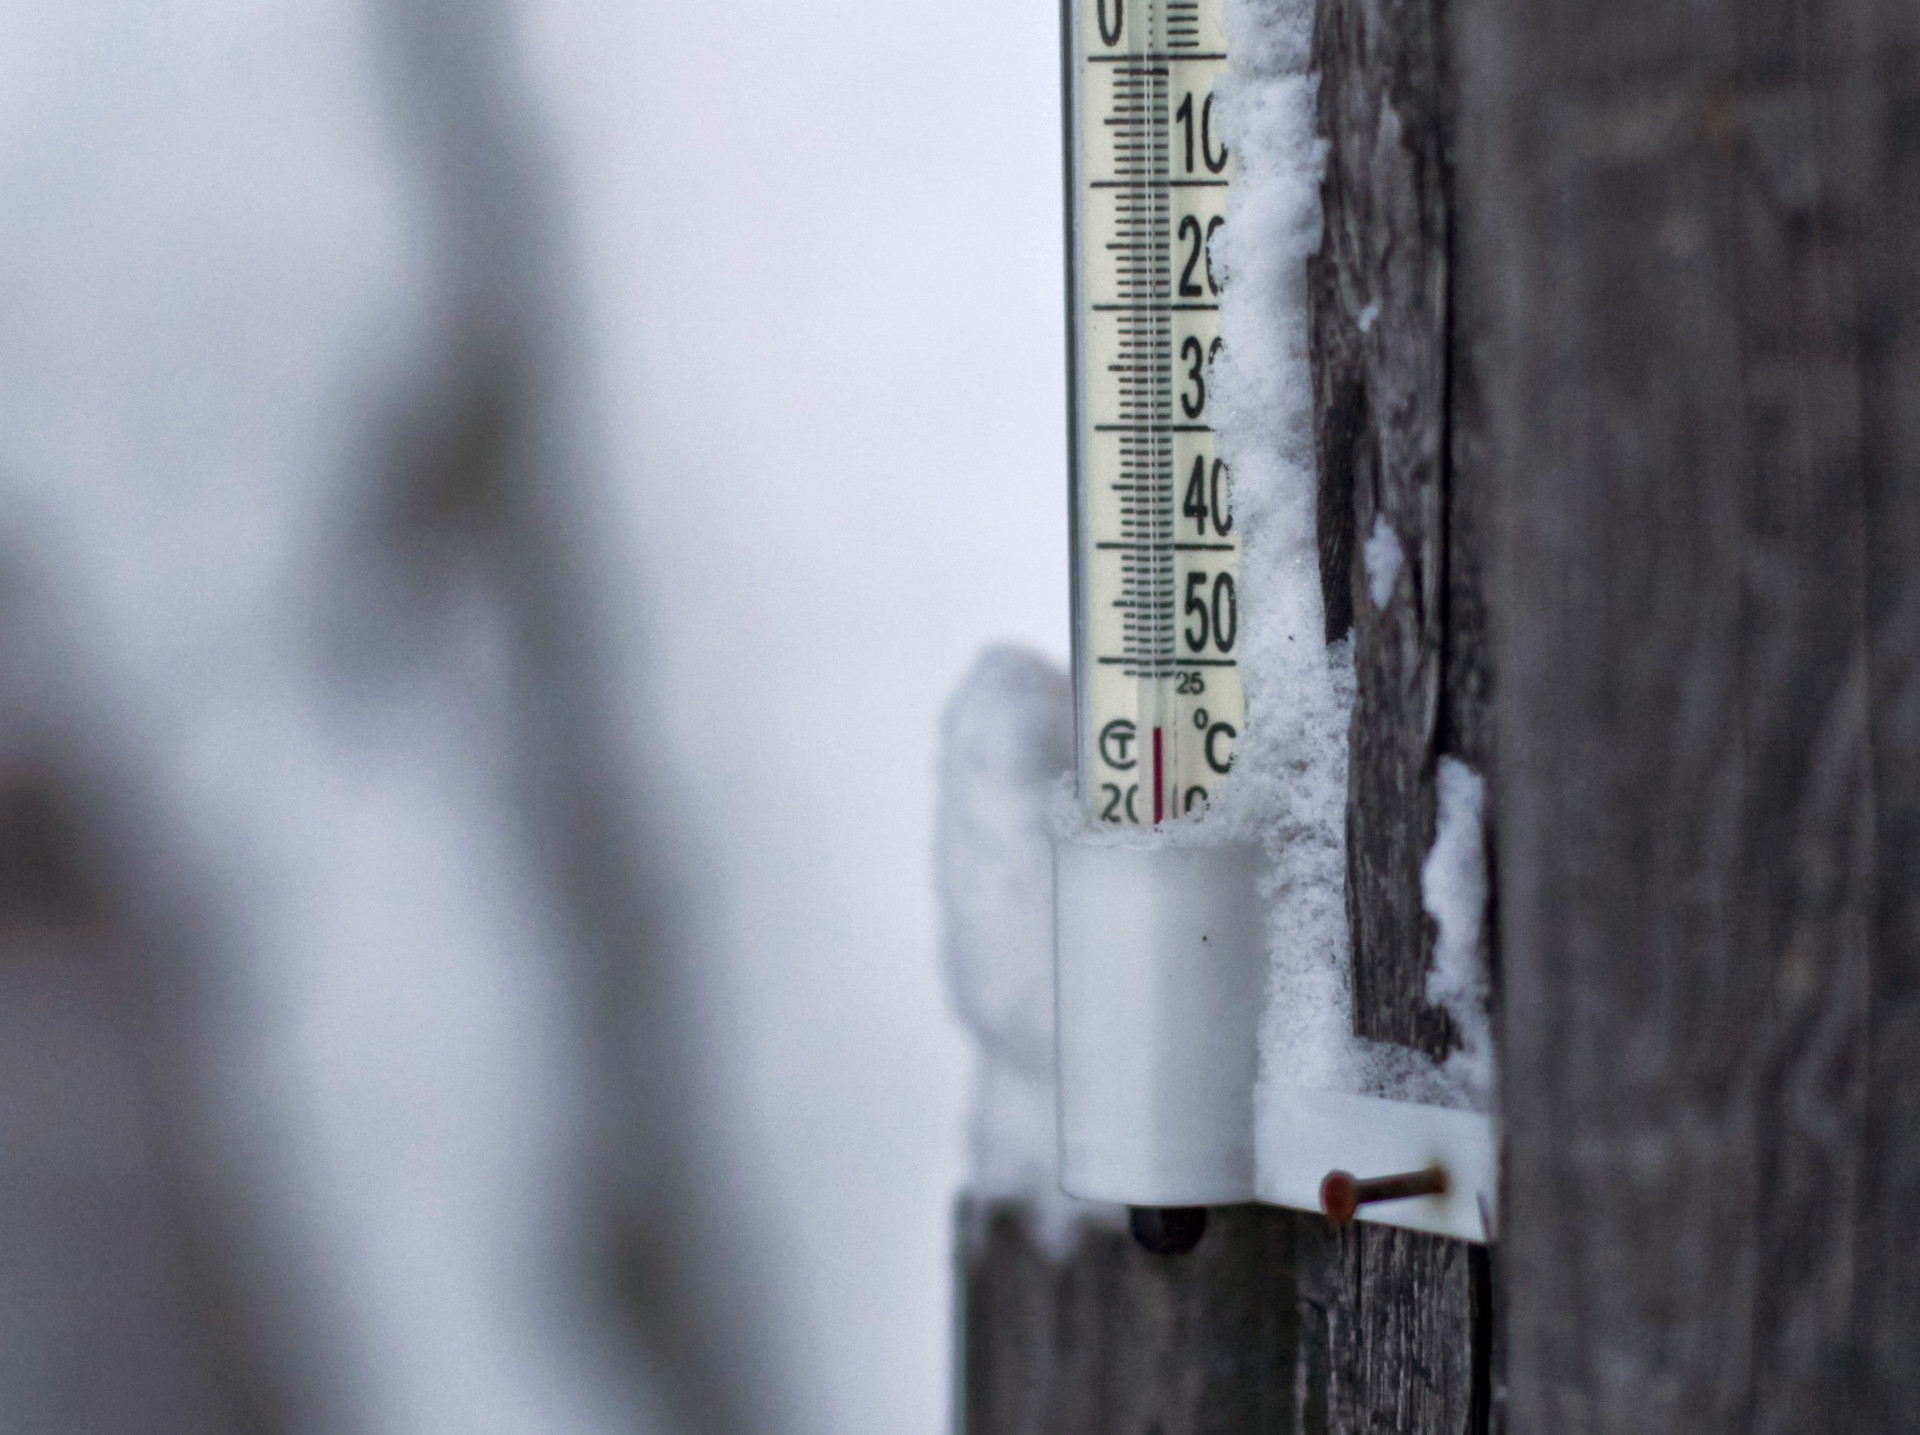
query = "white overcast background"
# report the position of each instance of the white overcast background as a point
(815, 364)
(823, 248)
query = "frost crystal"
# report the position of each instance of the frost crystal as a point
(1383, 557)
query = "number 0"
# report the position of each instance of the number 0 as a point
(1111, 36)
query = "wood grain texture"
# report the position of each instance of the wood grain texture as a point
(1395, 1325)
(1387, 1321)
(1378, 292)
(1879, 138)
(1695, 445)
(1106, 1339)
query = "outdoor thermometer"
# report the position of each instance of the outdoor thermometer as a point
(1161, 939)
(1156, 557)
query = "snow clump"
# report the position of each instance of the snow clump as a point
(1006, 752)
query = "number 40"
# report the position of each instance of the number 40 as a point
(1205, 497)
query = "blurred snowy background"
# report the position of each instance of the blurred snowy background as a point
(492, 499)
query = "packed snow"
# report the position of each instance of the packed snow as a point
(1383, 558)
(1006, 753)
(1453, 889)
(1290, 769)
(1289, 783)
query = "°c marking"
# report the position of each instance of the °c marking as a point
(1213, 732)
(1116, 744)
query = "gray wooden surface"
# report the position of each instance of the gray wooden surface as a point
(1379, 318)
(1108, 1340)
(1396, 1326)
(1881, 158)
(1694, 227)
(1387, 1322)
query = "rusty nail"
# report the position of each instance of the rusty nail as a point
(1342, 1193)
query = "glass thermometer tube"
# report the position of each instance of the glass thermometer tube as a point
(1156, 558)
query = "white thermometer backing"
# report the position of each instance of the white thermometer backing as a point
(1156, 557)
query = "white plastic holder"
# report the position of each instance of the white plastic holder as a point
(1160, 971)
(1305, 1134)
(1160, 965)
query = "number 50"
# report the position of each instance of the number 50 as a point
(1219, 619)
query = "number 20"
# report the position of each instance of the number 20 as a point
(1201, 250)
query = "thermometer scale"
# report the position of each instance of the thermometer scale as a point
(1156, 558)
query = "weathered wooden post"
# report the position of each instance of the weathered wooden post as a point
(1109, 1338)
(1694, 228)
(1395, 1326)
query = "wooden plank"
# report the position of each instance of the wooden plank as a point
(1387, 1320)
(1656, 200)
(1105, 1339)
(1879, 157)
(1379, 315)
(1395, 1325)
